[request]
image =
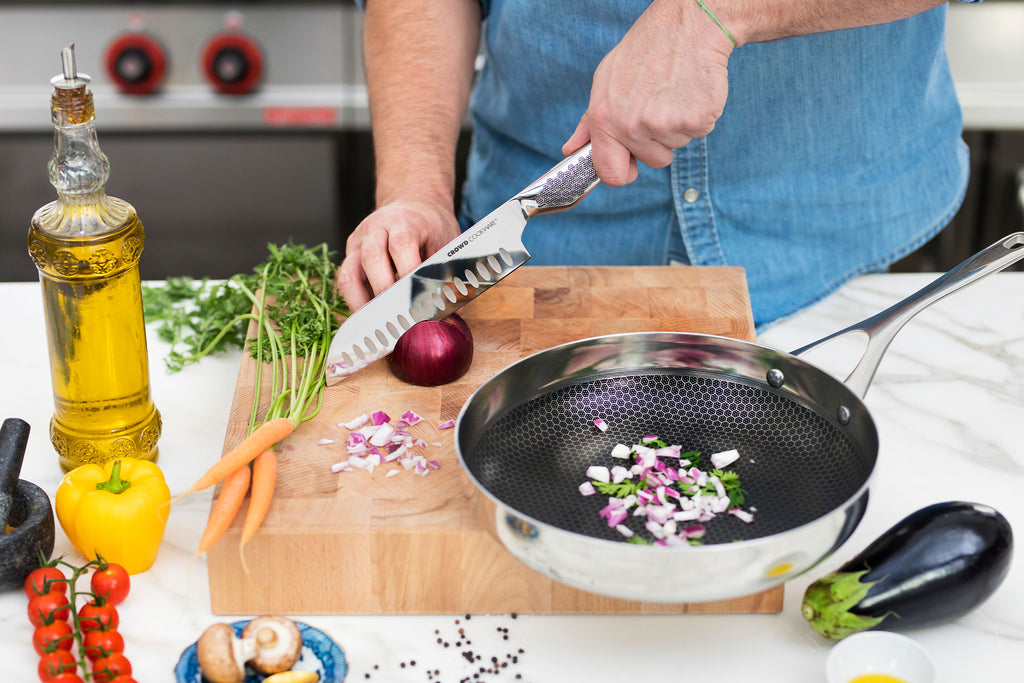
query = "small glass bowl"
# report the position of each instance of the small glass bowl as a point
(879, 652)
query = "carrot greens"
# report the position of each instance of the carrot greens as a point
(284, 313)
(292, 300)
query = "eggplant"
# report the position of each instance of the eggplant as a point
(935, 565)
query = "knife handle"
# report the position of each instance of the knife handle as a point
(564, 186)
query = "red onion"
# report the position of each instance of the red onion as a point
(433, 352)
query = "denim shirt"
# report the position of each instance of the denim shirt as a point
(836, 154)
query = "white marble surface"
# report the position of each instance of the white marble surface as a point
(948, 402)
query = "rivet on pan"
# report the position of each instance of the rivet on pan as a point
(843, 415)
(776, 378)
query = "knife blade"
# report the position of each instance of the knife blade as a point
(458, 272)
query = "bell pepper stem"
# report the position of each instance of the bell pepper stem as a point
(115, 484)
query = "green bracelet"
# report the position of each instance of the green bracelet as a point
(711, 14)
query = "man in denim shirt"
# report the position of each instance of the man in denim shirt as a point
(808, 141)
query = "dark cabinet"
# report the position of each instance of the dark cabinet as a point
(993, 206)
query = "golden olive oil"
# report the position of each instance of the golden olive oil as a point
(86, 246)
(876, 678)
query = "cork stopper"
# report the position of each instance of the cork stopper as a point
(71, 103)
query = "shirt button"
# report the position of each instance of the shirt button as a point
(690, 195)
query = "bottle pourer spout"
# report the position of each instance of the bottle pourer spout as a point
(70, 78)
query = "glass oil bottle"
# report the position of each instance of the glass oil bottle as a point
(86, 246)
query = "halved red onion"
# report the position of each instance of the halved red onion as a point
(433, 352)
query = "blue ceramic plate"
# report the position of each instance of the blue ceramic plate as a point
(319, 654)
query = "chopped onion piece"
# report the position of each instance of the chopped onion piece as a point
(356, 423)
(619, 473)
(669, 451)
(621, 451)
(599, 473)
(655, 529)
(392, 473)
(379, 417)
(617, 517)
(725, 458)
(587, 488)
(686, 515)
(743, 515)
(383, 434)
(342, 466)
(601, 424)
(447, 424)
(624, 530)
(411, 417)
(395, 454)
(326, 442)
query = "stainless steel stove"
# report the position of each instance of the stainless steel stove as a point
(195, 66)
(228, 124)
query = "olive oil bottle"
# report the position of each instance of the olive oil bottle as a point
(86, 246)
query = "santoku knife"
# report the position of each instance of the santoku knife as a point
(460, 271)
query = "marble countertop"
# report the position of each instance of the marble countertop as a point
(948, 401)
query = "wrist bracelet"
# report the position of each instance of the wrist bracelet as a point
(713, 17)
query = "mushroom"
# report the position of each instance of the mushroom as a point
(222, 656)
(278, 643)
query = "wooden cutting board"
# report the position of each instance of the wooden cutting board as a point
(361, 543)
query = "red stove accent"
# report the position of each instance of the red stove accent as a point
(233, 63)
(136, 62)
(305, 117)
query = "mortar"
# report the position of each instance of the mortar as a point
(23, 506)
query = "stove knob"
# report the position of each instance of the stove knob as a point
(233, 63)
(136, 63)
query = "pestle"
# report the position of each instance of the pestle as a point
(13, 440)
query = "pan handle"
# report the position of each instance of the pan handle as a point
(882, 327)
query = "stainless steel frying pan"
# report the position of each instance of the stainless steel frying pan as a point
(808, 449)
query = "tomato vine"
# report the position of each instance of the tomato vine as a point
(61, 625)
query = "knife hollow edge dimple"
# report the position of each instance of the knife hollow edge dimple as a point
(460, 271)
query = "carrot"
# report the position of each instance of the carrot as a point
(224, 509)
(261, 438)
(264, 479)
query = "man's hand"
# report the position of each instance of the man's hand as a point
(662, 85)
(389, 243)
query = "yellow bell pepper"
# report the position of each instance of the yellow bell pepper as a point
(118, 510)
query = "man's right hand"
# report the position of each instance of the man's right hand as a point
(388, 244)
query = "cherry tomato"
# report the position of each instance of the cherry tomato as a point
(112, 583)
(100, 644)
(107, 669)
(57, 635)
(45, 580)
(66, 677)
(44, 609)
(55, 663)
(93, 616)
